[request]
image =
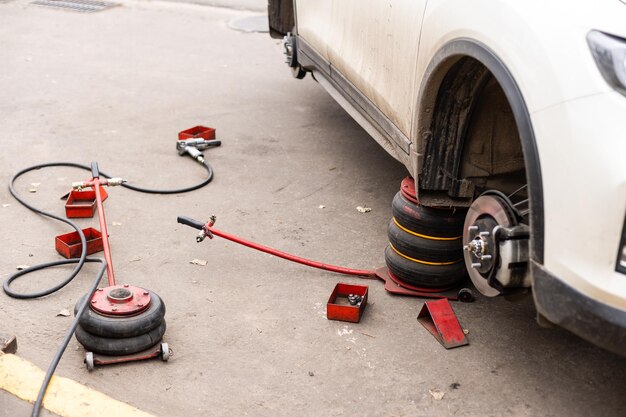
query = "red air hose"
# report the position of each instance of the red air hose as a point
(208, 230)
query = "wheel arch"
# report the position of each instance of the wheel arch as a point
(430, 91)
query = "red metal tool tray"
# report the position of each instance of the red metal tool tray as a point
(80, 204)
(206, 133)
(338, 307)
(69, 246)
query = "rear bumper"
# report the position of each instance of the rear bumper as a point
(592, 320)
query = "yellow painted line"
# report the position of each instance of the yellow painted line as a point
(64, 397)
(424, 236)
(420, 261)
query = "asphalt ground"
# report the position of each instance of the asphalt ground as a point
(248, 331)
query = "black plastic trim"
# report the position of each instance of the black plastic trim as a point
(470, 48)
(619, 267)
(590, 319)
(310, 59)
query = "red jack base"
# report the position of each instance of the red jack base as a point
(395, 286)
(162, 350)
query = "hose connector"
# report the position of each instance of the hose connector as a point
(206, 231)
(113, 182)
(201, 236)
(79, 185)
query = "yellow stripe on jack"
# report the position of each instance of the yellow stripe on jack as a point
(420, 261)
(424, 236)
(64, 397)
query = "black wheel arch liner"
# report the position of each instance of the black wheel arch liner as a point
(442, 61)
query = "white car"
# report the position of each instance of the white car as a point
(515, 109)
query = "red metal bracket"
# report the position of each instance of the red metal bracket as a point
(439, 319)
(407, 188)
(120, 300)
(338, 306)
(159, 351)
(8, 343)
(395, 286)
(69, 245)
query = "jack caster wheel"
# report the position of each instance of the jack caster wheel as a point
(165, 352)
(466, 295)
(89, 363)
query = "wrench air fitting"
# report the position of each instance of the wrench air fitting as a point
(193, 146)
(205, 231)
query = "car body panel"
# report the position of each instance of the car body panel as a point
(587, 189)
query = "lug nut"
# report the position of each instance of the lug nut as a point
(476, 265)
(354, 299)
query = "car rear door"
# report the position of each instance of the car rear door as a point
(314, 18)
(374, 45)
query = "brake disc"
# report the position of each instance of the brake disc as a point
(480, 245)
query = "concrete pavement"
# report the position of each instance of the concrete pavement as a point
(248, 331)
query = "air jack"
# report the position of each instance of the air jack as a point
(392, 284)
(123, 323)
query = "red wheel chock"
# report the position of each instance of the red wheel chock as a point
(439, 319)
